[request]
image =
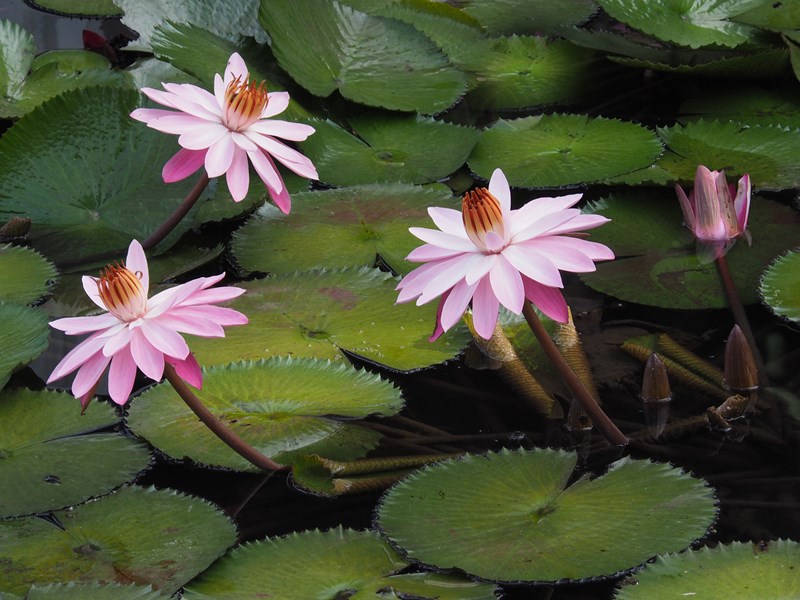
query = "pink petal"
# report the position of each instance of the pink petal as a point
(569, 256)
(149, 360)
(182, 164)
(244, 142)
(448, 220)
(444, 240)
(266, 171)
(176, 123)
(220, 155)
(499, 188)
(213, 296)
(184, 104)
(276, 104)
(507, 285)
(453, 270)
(533, 264)
(580, 223)
(280, 197)
(90, 287)
(165, 339)
(194, 322)
(484, 309)
(81, 325)
(289, 157)
(480, 268)
(236, 68)
(200, 138)
(429, 252)
(196, 94)
(188, 370)
(238, 176)
(77, 356)
(547, 299)
(145, 115)
(741, 205)
(537, 209)
(89, 374)
(455, 303)
(118, 341)
(296, 132)
(121, 376)
(219, 90)
(438, 330)
(136, 261)
(545, 223)
(686, 207)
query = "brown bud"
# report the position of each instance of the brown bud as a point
(656, 395)
(16, 228)
(741, 374)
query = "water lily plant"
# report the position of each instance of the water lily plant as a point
(225, 130)
(490, 254)
(137, 331)
(716, 212)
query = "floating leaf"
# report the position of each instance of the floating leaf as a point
(135, 534)
(767, 62)
(340, 563)
(780, 286)
(87, 174)
(280, 406)
(509, 516)
(337, 228)
(23, 337)
(759, 571)
(528, 16)
(768, 154)
(656, 261)
(326, 46)
(49, 458)
(25, 275)
(411, 149)
(79, 8)
(694, 23)
(557, 150)
(228, 20)
(26, 82)
(318, 312)
(775, 16)
(753, 106)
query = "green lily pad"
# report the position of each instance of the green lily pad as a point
(764, 63)
(761, 571)
(338, 228)
(518, 72)
(768, 154)
(340, 563)
(25, 275)
(79, 8)
(88, 175)
(229, 20)
(510, 516)
(753, 106)
(49, 458)
(279, 406)
(319, 312)
(692, 23)
(528, 16)
(94, 591)
(558, 150)
(326, 46)
(23, 337)
(656, 260)
(775, 16)
(411, 149)
(135, 534)
(780, 286)
(26, 82)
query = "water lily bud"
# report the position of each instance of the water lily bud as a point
(741, 374)
(656, 395)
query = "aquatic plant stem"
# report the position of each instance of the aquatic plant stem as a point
(172, 221)
(219, 429)
(590, 406)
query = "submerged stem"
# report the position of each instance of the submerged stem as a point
(219, 428)
(593, 410)
(172, 221)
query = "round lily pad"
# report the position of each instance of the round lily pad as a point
(558, 150)
(25, 275)
(411, 149)
(528, 16)
(23, 337)
(327, 46)
(319, 312)
(775, 16)
(767, 154)
(764, 63)
(49, 458)
(657, 262)
(694, 23)
(510, 516)
(338, 228)
(281, 407)
(753, 106)
(340, 563)
(780, 286)
(93, 591)
(135, 534)
(88, 175)
(745, 571)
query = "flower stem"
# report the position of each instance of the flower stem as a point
(219, 429)
(590, 406)
(172, 221)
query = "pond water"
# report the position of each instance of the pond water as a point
(593, 101)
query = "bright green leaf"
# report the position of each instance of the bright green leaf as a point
(780, 286)
(25, 275)
(23, 337)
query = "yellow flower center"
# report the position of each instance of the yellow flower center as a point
(244, 103)
(482, 214)
(122, 292)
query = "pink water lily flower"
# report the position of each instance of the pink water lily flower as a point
(142, 332)
(228, 128)
(715, 217)
(489, 254)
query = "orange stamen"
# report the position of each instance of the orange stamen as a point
(122, 292)
(481, 213)
(244, 102)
